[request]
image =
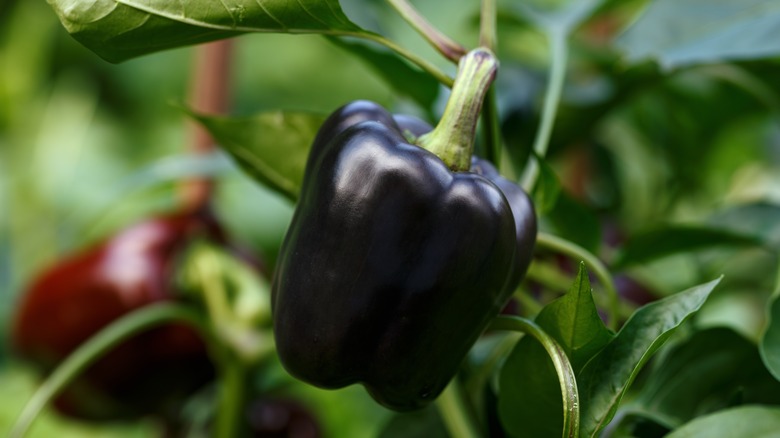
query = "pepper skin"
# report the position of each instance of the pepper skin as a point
(392, 266)
(68, 303)
(521, 204)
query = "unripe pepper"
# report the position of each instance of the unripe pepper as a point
(395, 260)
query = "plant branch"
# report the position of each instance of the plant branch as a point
(548, 241)
(559, 54)
(442, 43)
(566, 378)
(94, 348)
(458, 419)
(487, 24)
(411, 57)
(209, 93)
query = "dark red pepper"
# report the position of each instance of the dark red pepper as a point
(77, 297)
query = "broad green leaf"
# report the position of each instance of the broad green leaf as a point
(707, 372)
(529, 398)
(685, 32)
(272, 147)
(760, 220)
(769, 345)
(605, 379)
(743, 421)
(553, 14)
(674, 239)
(402, 77)
(530, 389)
(547, 188)
(574, 322)
(120, 29)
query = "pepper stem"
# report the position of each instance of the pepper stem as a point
(453, 138)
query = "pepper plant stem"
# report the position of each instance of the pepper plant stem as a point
(458, 420)
(566, 377)
(487, 24)
(231, 398)
(442, 43)
(94, 348)
(559, 55)
(453, 138)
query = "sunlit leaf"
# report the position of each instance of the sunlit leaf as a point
(605, 379)
(743, 421)
(684, 32)
(120, 29)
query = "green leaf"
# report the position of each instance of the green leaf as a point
(547, 188)
(655, 244)
(529, 399)
(402, 77)
(685, 32)
(574, 322)
(605, 379)
(707, 372)
(530, 389)
(272, 147)
(760, 220)
(120, 29)
(769, 345)
(556, 14)
(744, 421)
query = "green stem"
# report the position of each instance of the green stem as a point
(548, 241)
(487, 24)
(566, 378)
(491, 131)
(559, 55)
(442, 43)
(453, 138)
(231, 398)
(94, 348)
(458, 420)
(414, 59)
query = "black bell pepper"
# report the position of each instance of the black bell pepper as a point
(395, 260)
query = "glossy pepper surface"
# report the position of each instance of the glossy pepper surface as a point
(393, 264)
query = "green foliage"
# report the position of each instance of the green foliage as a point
(607, 376)
(654, 244)
(752, 421)
(272, 147)
(121, 29)
(680, 33)
(529, 383)
(713, 369)
(86, 148)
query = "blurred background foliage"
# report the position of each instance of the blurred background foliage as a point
(87, 147)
